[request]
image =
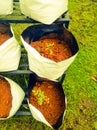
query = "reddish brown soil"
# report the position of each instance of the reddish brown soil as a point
(5, 98)
(52, 47)
(54, 104)
(3, 38)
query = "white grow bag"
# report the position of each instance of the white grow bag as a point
(40, 65)
(35, 112)
(45, 11)
(10, 52)
(45, 67)
(17, 97)
(6, 7)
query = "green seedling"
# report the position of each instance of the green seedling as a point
(49, 47)
(40, 96)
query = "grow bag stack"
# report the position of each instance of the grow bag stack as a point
(44, 88)
(11, 94)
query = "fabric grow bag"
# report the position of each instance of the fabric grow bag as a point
(42, 66)
(10, 52)
(45, 11)
(6, 7)
(17, 97)
(38, 115)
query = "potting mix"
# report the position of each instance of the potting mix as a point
(5, 98)
(49, 99)
(53, 47)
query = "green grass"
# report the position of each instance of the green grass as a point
(80, 89)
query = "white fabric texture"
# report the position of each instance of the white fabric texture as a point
(17, 97)
(6, 7)
(10, 52)
(44, 11)
(45, 67)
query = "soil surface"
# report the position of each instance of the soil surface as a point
(3, 38)
(53, 105)
(5, 32)
(5, 98)
(52, 47)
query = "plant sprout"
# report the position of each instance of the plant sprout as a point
(40, 96)
(49, 47)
